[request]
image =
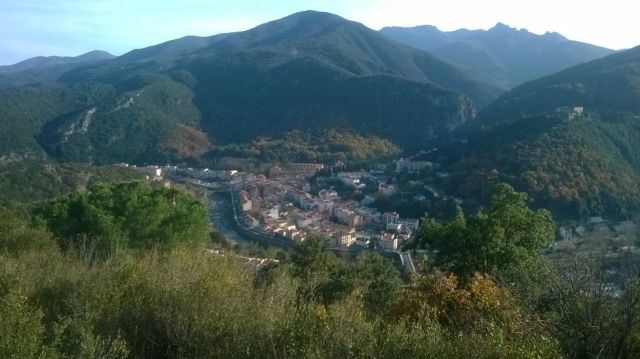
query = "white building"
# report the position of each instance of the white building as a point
(409, 223)
(304, 222)
(347, 216)
(388, 242)
(362, 239)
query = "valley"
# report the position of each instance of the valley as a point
(313, 187)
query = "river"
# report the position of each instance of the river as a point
(221, 215)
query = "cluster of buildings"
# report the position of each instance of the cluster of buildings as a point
(571, 113)
(283, 205)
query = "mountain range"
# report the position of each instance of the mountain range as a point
(308, 70)
(314, 71)
(508, 55)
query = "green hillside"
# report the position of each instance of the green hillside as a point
(576, 168)
(92, 122)
(577, 164)
(324, 147)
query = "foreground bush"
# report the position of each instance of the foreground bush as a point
(190, 303)
(126, 215)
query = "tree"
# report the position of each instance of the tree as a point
(382, 284)
(592, 310)
(323, 276)
(508, 235)
(129, 214)
(482, 313)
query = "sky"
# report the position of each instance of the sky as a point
(31, 28)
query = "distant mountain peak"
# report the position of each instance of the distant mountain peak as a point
(555, 36)
(500, 26)
(101, 53)
(312, 16)
(427, 28)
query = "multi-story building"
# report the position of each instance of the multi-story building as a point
(347, 216)
(345, 238)
(327, 194)
(388, 241)
(326, 206)
(389, 217)
(409, 223)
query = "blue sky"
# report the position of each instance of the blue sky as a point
(71, 27)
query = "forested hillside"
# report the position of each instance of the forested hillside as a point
(569, 139)
(297, 146)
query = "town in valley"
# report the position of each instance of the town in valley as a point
(280, 204)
